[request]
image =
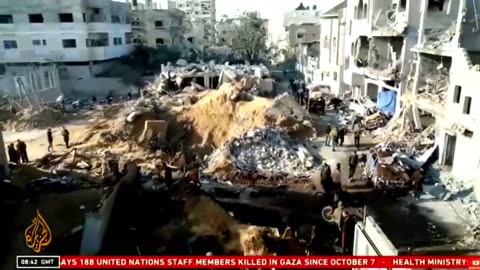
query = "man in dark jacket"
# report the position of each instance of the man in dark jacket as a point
(50, 140)
(356, 137)
(352, 165)
(66, 136)
(22, 151)
(326, 178)
(12, 154)
(322, 104)
(341, 136)
(327, 139)
(348, 233)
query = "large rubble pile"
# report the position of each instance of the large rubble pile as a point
(436, 86)
(439, 38)
(33, 118)
(399, 134)
(218, 117)
(264, 151)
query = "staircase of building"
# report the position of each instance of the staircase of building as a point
(464, 58)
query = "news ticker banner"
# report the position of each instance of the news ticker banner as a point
(185, 262)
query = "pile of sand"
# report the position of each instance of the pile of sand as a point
(40, 118)
(216, 119)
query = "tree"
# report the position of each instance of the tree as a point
(250, 40)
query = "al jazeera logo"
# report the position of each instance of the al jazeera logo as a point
(38, 235)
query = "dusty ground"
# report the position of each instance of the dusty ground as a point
(36, 139)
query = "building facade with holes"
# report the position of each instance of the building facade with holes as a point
(83, 39)
(379, 37)
(202, 12)
(158, 28)
(66, 31)
(302, 25)
(445, 81)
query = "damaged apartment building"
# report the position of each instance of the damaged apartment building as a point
(303, 32)
(443, 86)
(379, 36)
(76, 40)
(157, 28)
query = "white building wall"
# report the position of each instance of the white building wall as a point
(331, 68)
(466, 159)
(51, 32)
(158, 28)
(201, 11)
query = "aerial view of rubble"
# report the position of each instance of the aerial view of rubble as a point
(174, 130)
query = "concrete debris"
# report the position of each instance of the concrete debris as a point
(391, 21)
(47, 185)
(436, 86)
(399, 135)
(439, 38)
(267, 150)
(36, 118)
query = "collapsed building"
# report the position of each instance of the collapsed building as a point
(445, 70)
(211, 76)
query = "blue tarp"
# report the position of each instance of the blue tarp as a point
(387, 101)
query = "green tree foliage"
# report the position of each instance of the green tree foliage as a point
(250, 41)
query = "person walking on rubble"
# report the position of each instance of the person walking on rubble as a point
(348, 231)
(66, 136)
(167, 174)
(341, 135)
(322, 104)
(326, 178)
(356, 137)
(301, 92)
(295, 88)
(50, 140)
(352, 165)
(337, 177)
(334, 138)
(327, 139)
(12, 154)
(22, 151)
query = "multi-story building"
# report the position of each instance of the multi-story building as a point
(445, 79)
(332, 37)
(302, 25)
(146, 4)
(380, 35)
(226, 28)
(83, 37)
(158, 27)
(225, 31)
(202, 12)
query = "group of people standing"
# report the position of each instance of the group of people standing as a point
(336, 136)
(18, 153)
(299, 91)
(65, 135)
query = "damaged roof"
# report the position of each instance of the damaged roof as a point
(432, 226)
(333, 11)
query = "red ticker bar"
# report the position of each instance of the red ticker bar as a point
(313, 262)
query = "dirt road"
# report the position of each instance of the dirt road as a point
(36, 140)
